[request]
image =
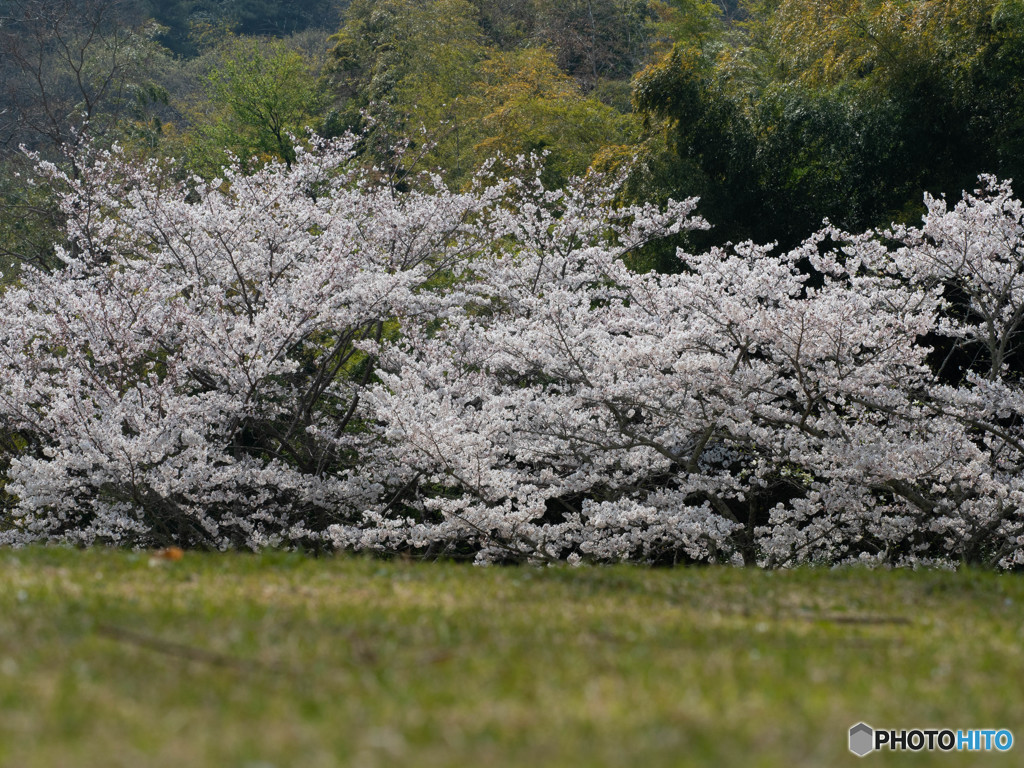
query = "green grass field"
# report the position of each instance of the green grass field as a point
(110, 659)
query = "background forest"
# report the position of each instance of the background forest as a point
(777, 113)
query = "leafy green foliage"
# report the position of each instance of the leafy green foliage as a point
(422, 72)
(405, 68)
(708, 132)
(258, 96)
(839, 109)
(530, 105)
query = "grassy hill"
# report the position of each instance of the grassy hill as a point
(122, 659)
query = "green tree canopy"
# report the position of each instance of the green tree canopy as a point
(846, 109)
(259, 95)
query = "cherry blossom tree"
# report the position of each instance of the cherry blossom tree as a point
(757, 408)
(304, 356)
(193, 373)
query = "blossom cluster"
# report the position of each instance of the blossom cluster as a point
(307, 356)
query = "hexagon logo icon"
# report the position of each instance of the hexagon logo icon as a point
(862, 738)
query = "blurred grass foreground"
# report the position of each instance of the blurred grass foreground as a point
(112, 658)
